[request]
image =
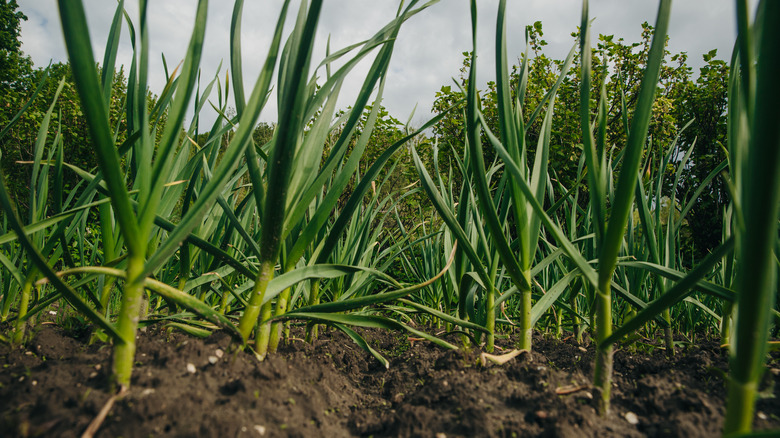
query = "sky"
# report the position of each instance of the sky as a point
(428, 52)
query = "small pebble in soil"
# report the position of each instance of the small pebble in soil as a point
(191, 368)
(93, 374)
(441, 435)
(219, 353)
(761, 415)
(213, 359)
(260, 429)
(632, 418)
(540, 415)
(585, 395)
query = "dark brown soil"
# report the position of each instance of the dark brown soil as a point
(56, 387)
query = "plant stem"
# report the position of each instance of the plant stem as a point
(725, 323)
(184, 265)
(526, 330)
(756, 281)
(105, 294)
(223, 302)
(127, 323)
(740, 406)
(314, 298)
(446, 299)
(24, 303)
(7, 299)
(576, 323)
(602, 378)
(109, 251)
(249, 318)
(263, 331)
(276, 327)
(668, 336)
(490, 319)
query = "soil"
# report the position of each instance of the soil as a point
(186, 386)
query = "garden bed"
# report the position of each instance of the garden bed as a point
(185, 386)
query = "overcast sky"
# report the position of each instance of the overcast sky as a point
(428, 51)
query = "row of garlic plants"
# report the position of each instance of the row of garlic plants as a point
(613, 264)
(258, 227)
(263, 235)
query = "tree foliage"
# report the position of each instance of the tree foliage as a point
(14, 66)
(618, 66)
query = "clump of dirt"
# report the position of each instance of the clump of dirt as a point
(185, 386)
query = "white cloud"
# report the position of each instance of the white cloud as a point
(428, 50)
